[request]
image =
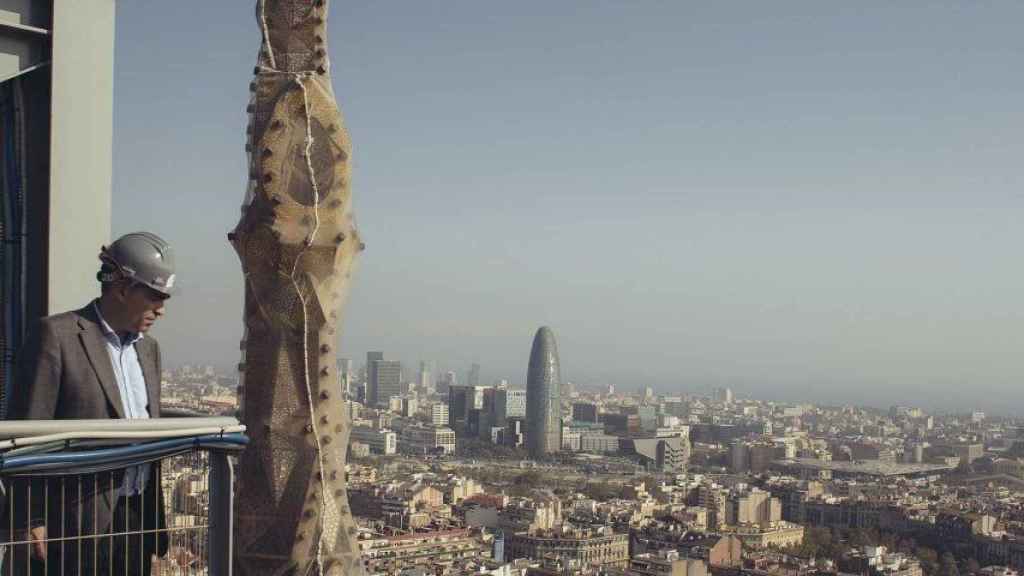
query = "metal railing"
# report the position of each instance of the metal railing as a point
(106, 497)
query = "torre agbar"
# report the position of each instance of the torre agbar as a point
(543, 396)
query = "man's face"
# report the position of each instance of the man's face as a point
(140, 307)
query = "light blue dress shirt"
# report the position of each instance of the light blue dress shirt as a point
(132, 386)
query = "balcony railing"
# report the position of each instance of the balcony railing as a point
(97, 496)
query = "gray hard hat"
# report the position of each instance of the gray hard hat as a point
(142, 257)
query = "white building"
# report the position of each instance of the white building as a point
(599, 443)
(439, 414)
(380, 441)
(428, 440)
(570, 440)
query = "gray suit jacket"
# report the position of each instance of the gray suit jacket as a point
(65, 371)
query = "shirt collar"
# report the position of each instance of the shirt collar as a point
(129, 339)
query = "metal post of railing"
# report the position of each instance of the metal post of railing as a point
(222, 528)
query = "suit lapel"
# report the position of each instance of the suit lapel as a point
(96, 349)
(144, 350)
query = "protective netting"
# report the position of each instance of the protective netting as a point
(297, 242)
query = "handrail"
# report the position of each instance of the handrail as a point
(42, 450)
(41, 446)
(21, 428)
(62, 463)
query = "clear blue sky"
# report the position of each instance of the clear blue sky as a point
(802, 200)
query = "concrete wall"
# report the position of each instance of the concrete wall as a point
(80, 149)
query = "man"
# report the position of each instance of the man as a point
(97, 362)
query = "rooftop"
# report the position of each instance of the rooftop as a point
(863, 467)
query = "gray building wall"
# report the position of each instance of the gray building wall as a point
(81, 137)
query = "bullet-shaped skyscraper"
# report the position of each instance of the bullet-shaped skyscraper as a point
(543, 396)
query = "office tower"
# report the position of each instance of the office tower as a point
(479, 423)
(498, 405)
(459, 404)
(543, 396)
(371, 377)
(462, 401)
(446, 381)
(345, 375)
(439, 414)
(724, 395)
(760, 456)
(739, 457)
(508, 404)
(584, 412)
(474, 375)
(426, 381)
(485, 419)
(387, 381)
(513, 433)
(621, 424)
(648, 417)
(409, 406)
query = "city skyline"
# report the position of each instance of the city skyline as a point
(775, 245)
(905, 491)
(797, 201)
(706, 391)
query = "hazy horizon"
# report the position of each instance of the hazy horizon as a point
(797, 200)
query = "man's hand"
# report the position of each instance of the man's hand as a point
(38, 537)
